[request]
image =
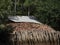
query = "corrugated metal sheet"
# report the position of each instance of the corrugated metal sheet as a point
(23, 19)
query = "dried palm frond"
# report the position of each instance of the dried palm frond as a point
(26, 37)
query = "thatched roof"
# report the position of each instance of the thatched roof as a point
(27, 23)
(30, 26)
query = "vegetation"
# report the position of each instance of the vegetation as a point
(46, 11)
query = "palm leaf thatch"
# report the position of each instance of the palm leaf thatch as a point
(27, 37)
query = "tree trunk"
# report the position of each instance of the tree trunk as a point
(15, 8)
(28, 11)
(22, 8)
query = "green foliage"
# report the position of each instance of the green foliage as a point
(5, 32)
(46, 11)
